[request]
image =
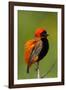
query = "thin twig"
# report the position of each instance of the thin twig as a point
(38, 71)
(49, 69)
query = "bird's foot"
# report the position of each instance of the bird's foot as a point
(36, 68)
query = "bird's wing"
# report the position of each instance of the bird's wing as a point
(29, 45)
(35, 52)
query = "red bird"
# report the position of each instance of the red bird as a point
(36, 48)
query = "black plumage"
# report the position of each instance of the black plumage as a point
(45, 48)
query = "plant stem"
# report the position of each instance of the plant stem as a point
(38, 71)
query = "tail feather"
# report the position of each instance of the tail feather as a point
(28, 69)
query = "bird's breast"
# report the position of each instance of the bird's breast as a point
(45, 47)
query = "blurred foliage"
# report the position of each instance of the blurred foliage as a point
(28, 22)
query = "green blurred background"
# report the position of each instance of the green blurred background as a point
(28, 22)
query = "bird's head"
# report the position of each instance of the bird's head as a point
(41, 33)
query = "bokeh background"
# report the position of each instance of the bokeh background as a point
(28, 22)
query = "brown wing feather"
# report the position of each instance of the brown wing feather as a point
(35, 52)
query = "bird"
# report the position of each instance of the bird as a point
(36, 49)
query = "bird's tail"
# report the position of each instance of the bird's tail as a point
(28, 69)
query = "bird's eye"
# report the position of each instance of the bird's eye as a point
(43, 33)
